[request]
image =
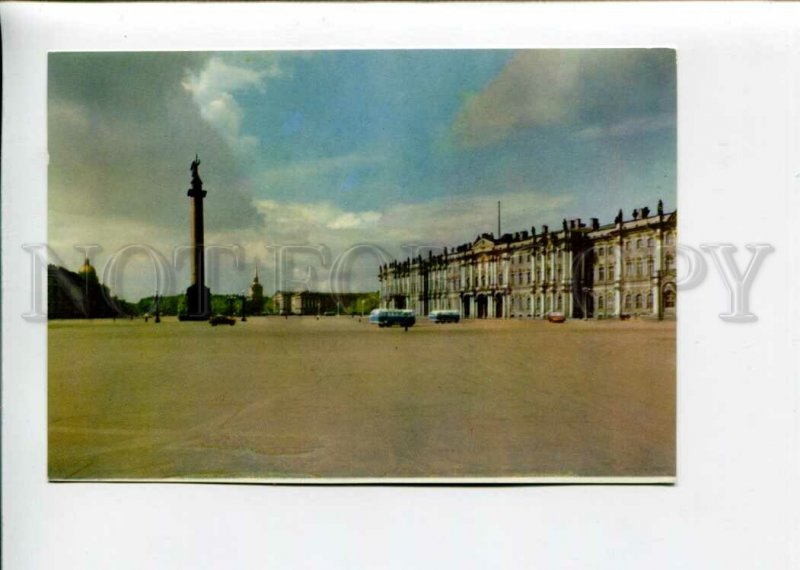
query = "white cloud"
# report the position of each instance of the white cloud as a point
(443, 222)
(355, 220)
(291, 218)
(212, 89)
(447, 220)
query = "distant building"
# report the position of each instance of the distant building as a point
(317, 303)
(623, 268)
(256, 295)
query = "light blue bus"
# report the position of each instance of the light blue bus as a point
(444, 316)
(391, 317)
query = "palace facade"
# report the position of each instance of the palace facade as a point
(318, 303)
(626, 268)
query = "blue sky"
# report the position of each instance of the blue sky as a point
(346, 147)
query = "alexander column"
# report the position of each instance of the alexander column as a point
(198, 296)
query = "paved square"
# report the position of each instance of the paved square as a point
(336, 397)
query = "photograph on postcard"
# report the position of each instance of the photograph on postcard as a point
(362, 266)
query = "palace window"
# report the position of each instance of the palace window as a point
(649, 300)
(639, 301)
(628, 301)
(638, 244)
(600, 251)
(669, 299)
(650, 265)
(610, 299)
(529, 303)
(559, 303)
(529, 280)
(600, 302)
(601, 273)
(668, 262)
(649, 242)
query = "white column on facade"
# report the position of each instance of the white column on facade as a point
(532, 262)
(568, 266)
(542, 259)
(657, 269)
(618, 273)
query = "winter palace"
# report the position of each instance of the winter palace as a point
(625, 268)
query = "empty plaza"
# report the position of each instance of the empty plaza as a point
(335, 397)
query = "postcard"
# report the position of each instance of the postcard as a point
(373, 266)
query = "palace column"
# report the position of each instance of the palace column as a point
(658, 306)
(198, 296)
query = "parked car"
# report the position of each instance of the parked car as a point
(556, 317)
(221, 320)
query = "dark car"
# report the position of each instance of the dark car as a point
(221, 320)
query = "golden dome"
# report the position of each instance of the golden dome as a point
(86, 267)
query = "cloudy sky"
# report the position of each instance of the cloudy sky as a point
(339, 149)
